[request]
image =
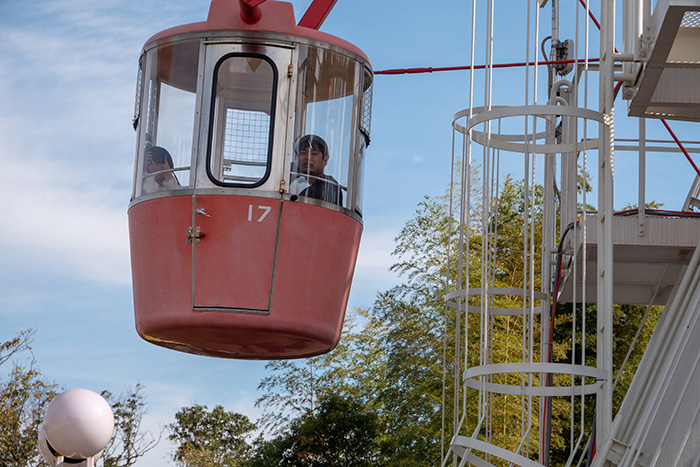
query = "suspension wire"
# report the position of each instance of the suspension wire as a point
(466, 161)
(531, 310)
(419, 70)
(489, 227)
(445, 314)
(584, 231)
(639, 330)
(468, 140)
(680, 145)
(525, 219)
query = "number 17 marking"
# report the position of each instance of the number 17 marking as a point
(266, 210)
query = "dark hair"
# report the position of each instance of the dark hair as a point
(309, 141)
(160, 155)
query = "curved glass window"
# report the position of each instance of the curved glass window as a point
(328, 121)
(242, 116)
(167, 92)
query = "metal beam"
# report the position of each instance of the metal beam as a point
(316, 13)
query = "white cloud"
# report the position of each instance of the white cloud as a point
(67, 82)
(374, 258)
(65, 141)
(63, 221)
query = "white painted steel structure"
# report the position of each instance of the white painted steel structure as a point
(521, 157)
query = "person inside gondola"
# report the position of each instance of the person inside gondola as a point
(311, 159)
(159, 171)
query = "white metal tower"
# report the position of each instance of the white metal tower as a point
(538, 234)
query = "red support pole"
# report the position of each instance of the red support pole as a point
(316, 13)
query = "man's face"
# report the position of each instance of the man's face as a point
(152, 166)
(311, 160)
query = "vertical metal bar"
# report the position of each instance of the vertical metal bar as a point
(548, 242)
(605, 224)
(641, 203)
(627, 35)
(458, 312)
(646, 22)
(638, 29)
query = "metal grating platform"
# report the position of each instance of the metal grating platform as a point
(646, 268)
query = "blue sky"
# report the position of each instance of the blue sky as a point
(67, 82)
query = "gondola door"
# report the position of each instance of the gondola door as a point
(234, 252)
(237, 207)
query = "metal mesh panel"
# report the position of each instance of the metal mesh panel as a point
(691, 19)
(137, 102)
(366, 123)
(247, 136)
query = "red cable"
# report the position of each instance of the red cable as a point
(660, 212)
(592, 16)
(550, 345)
(404, 71)
(590, 13)
(680, 145)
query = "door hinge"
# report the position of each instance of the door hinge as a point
(195, 235)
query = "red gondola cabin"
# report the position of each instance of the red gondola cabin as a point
(246, 212)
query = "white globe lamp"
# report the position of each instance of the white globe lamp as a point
(78, 425)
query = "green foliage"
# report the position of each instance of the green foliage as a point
(129, 442)
(292, 388)
(16, 345)
(23, 400)
(421, 246)
(628, 321)
(648, 205)
(205, 438)
(339, 433)
(391, 357)
(24, 396)
(278, 452)
(411, 396)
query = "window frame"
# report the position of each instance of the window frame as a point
(213, 121)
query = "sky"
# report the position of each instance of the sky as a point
(67, 84)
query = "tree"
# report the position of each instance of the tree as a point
(205, 438)
(278, 452)
(16, 345)
(391, 359)
(292, 388)
(23, 400)
(341, 432)
(417, 366)
(129, 443)
(24, 397)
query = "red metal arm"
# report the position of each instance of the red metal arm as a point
(250, 10)
(316, 13)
